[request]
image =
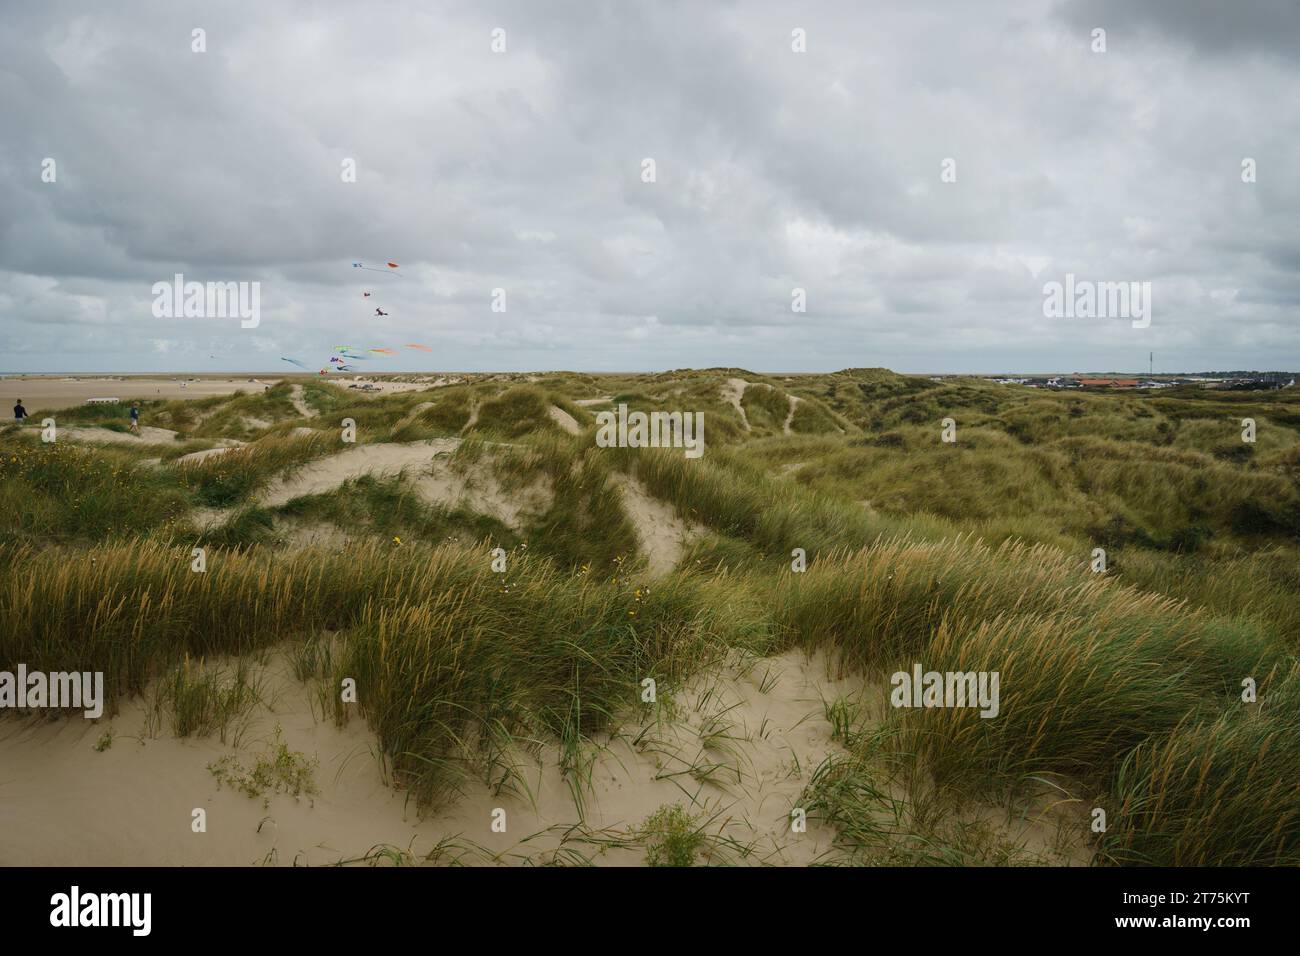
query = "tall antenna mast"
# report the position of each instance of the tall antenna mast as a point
(1151, 364)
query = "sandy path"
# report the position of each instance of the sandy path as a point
(794, 403)
(584, 402)
(732, 393)
(661, 535)
(299, 405)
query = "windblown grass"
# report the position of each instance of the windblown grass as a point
(1122, 688)
(60, 492)
(1216, 790)
(223, 479)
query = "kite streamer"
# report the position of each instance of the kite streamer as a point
(391, 270)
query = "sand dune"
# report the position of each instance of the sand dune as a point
(326, 474)
(745, 741)
(114, 807)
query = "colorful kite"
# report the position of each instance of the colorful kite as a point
(293, 362)
(421, 348)
(391, 270)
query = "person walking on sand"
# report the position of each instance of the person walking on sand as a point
(135, 418)
(19, 412)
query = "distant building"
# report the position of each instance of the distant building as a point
(1108, 382)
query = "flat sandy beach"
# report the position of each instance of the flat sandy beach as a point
(41, 393)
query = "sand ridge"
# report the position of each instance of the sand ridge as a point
(326, 474)
(736, 746)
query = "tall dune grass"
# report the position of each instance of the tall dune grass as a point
(58, 492)
(225, 478)
(1216, 790)
(1126, 684)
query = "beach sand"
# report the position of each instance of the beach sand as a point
(45, 393)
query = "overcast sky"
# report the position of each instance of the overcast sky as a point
(775, 170)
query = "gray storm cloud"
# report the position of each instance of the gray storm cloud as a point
(775, 170)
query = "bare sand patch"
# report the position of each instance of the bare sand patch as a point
(300, 535)
(477, 489)
(326, 474)
(148, 435)
(564, 420)
(661, 535)
(738, 745)
(205, 518)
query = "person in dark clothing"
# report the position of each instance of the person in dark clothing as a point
(135, 418)
(19, 412)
